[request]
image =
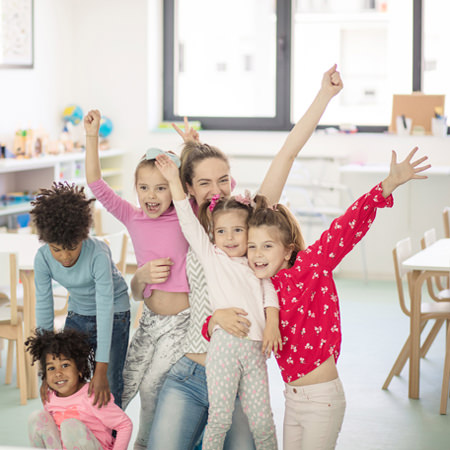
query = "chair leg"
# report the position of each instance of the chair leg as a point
(431, 336)
(21, 371)
(401, 359)
(9, 362)
(446, 377)
(138, 315)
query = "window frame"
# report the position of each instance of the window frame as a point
(282, 120)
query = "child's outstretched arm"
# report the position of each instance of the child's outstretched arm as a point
(279, 169)
(92, 162)
(404, 171)
(170, 172)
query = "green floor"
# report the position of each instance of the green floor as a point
(373, 331)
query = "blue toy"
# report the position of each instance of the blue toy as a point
(106, 127)
(73, 114)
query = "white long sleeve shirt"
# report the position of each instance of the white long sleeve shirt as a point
(231, 282)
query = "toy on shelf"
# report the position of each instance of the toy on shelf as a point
(106, 127)
(30, 143)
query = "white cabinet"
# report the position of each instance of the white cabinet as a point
(28, 175)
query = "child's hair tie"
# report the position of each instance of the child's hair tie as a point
(214, 199)
(245, 199)
(153, 152)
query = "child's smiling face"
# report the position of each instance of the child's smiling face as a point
(62, 375)
(153, 191)
(230, 232)
(266, 253)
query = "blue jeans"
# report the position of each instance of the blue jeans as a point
(182, 412)
(119, 345)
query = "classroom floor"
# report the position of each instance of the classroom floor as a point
(374, 330)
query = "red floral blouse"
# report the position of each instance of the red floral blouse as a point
(310, 322)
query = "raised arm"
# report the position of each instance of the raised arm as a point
(403, 172)
(279, 169)
(170, 172)
(188, 134)
(92, 161)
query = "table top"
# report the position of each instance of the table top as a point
(435, 257)
(25, 245)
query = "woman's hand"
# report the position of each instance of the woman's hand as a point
(99, 385)
(231, 320)
(404, 171)
(188, 134)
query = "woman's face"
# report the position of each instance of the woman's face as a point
(211, 177)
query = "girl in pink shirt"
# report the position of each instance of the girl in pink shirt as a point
(309, 309)
(160, 249)
(70, 420)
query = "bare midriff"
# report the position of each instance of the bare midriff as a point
(324, 373)
(199, 358)
(167, 303)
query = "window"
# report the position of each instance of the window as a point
(256, 64)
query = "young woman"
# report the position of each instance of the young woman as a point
(182, 409)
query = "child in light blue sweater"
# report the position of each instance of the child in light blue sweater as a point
(98, 295)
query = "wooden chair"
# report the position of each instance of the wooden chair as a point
(11, 323)
(442, 294)
(118, 243)
(438, 311)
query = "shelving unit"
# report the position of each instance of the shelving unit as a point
(28, 175)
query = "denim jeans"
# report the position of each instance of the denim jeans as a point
(119, 345)
(182, 412)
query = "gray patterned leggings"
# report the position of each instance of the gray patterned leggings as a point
(75, 435)
(237, 366)
(155, 347)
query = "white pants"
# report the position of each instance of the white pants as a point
(313, 416)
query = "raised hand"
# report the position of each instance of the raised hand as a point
(92, 122)
(331, 81)
(188, 134)
(404, 171)
(167, 167)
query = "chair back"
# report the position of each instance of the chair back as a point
(446, 216)
(429, 237)
(9, 277)
(118, 243)
(401, 252)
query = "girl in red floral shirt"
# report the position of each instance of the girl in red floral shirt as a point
(309, 309)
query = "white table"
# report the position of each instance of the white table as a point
(430, 262)
(26, 247)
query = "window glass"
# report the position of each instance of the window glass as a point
(370, 40)
(436, 39)
(225, 58)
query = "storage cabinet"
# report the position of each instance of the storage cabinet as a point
(28, 175)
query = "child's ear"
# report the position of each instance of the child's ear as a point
(289, 250)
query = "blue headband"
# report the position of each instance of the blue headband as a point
(153, 152)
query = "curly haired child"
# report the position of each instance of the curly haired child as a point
(98, 295)
(69, 419)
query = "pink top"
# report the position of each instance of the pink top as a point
(101, 421)
(152, 238)
(310, 323)
(231, 282)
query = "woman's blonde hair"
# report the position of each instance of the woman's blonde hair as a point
(280, 217)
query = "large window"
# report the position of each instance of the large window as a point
(256, 64)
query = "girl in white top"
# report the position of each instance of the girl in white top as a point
(233, 365)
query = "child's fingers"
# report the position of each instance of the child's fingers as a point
(178, 129)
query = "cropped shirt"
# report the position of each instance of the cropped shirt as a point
(152, 238)
(310, 323)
